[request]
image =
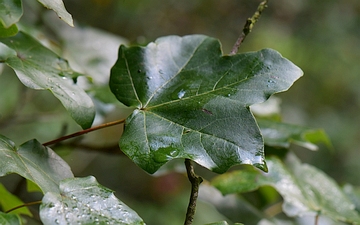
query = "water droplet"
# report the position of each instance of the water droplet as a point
(174, 153)
(57, 221)
(92, 196)
(161, 72)
(270, 83)
(181, 93)
(229, 95)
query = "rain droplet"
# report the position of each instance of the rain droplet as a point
(181, 93)
(229, 95)
(57, 221)
(173, 153)
(161, 72)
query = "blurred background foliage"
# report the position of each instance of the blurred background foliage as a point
(321, 37)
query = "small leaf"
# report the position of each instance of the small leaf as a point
(305, 189)
(192, 102)
(59, 8)
(85, 201)
(9, 201)
(10, 12)
(39, 68)
(277, 134)
(9, 219)
(8, 32)
(35, 162)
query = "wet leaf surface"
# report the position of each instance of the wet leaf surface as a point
(192, 102)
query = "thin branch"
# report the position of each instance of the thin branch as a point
(317, 219)
(24, 205)
(84, 132)
(250, 22)
(195, 183)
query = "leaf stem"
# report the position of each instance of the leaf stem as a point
(195, 181)
(24, 205)
(250, 22)
(79, 133)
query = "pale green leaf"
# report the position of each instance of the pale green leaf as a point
(192, 102)
(35, 162)
(10, 12)
(59, 8)
(39, 68)
(85, 201)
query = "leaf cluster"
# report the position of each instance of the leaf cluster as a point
(182, 98)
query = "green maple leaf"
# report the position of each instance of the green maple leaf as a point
(191, 101)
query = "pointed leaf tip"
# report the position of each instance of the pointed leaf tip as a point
(192, 102)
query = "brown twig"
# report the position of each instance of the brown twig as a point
(195, 183)
(250, 22)
(24, 205)
(113, 123)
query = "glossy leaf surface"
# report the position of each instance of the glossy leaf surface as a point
(39, 68)
(59, 8)
(10, 12)
(85, 201)
(192, 102)
(35, 162)
(305, 189)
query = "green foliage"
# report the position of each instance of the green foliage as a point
(39, 68)
(186, 99)
(10, 12)
(305, 189)
(35, 162)
(192, 102)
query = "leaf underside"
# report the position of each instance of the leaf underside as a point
(39, 68)
(192, 102)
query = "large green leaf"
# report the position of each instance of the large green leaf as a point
(59, 8)
(305, 189)
(192, 102)
(10, 12)
(39, 68)
(34, 162)
(85, 201)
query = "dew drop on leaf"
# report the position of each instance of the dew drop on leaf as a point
(181, 93)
